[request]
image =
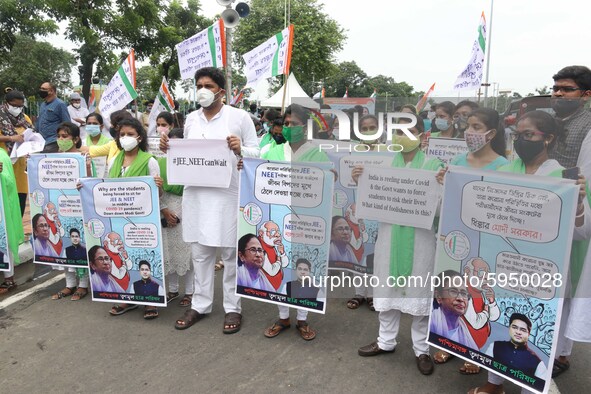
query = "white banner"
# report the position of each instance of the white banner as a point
(163, 102)
(206, 163)
(403, 196)
(445, 149)
(205, 49)
(472, 75)
(269, 59)
(120, 91)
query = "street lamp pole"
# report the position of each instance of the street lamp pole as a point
(488, 46)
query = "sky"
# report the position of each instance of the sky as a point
(421, 42)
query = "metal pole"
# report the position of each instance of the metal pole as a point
(488, 45)
(228, 65)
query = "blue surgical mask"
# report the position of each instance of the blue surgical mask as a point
(93, 129)
(441, 124)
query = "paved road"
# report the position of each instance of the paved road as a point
(64, 346)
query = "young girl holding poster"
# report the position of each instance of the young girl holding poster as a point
(536, 133)
(402, 251)
(486, 151)
(134, 160)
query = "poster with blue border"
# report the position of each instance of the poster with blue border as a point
(284, 218)
(7, 262)
(56, 210)
(124, 240)
(504, 244)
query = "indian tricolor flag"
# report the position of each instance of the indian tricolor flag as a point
(421, 104)
(237, 97)
(346, 95)
(121, 89)
(164, 102)
(92, 101)
(205, 49)
(471, 77)
(269, 59)
(374, 95)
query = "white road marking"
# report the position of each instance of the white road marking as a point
(24, 294)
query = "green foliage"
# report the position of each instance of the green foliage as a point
(347, 75)
(148, 83)
(33, 62)
(24, 17)
(317, 37)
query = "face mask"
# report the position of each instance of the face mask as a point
(14, 111)
(43, 93)
(279, 139)
(128, 143)
(564, 107)
(293, 134)
(407, 144)
(528, 150)
(93, 130)
(266, 127)
(476, 141)
(441, 124)
(460, 124)
(77, 106)
(431, 115)
(335, 133)
(205, 97)
(65, 145)
(162, 130)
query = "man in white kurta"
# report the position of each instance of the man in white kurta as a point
(210, 214)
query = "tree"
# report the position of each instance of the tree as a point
(317, 37)
(33, 62)
(346, 75)
(25, 17)
(148, 82)
(543, 90)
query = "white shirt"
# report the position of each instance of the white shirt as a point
(210, 214)
(81, 113)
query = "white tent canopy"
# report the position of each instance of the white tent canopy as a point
(295, 94)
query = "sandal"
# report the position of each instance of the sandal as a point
(559, 368)
(219, 266)
(476, 390)
(190, 317)
(441, 357)
(186, 301)
(150, 313)
(121, 309)
(469, 369)
(305, 331)
(370, 304)
(277, 327)
(232, 319)
(6, 286)
(170, 296)
(355, 302)
(65, 292)
(80, 293)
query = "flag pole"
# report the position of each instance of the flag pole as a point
(488, 45)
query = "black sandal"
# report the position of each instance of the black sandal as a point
(62, 293)
(355, 302)
(7, 286)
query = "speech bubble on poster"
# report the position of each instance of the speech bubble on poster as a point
(69, 206)
(532, 276)
(289, 185)
(304, 229)
(347, 163)
(55, 173)
(511, 211)
(140, 235)
(128, 199)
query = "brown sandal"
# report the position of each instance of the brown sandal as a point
(232, 319)
(305, 330)
(80, 293)
(6, 286)
(355, 302)
(441, 357)
(190, 317)
(277, 327)
(65, 292)
(469, 369)
(186, 301)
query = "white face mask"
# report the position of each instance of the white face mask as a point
(476, 141)
(14, 111)
(77, 106)
(205, 97)
(128, 143)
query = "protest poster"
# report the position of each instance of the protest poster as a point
(154, 147)
(471, 76)
(269, 59)
(445, 149)
(206, 163)
(403, 196)
(100, 166)
(345, 103)
(121, 89)
(284, 233)
(509, 236)
(4, 265)
(205, 49)
(56, 211)
(124, 240)
(360, 240)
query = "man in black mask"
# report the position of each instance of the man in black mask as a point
(52, 113)
(571, 90)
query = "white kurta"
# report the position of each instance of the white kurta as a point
(210, 214)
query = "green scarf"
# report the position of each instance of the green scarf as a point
(579, 248)
(313, 155)
(266, 140)
(177, 190)
(12, 210)
(139, 166)
(402, 245)
(102, 140)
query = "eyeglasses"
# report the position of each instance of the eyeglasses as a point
(343, 228)
(256, 250)
(455, 293)
(528, 135)
(565, 89)
(104, 259)
(273, 232)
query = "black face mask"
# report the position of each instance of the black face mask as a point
(564, 107)
(43, 93)
(323, 135)
(279, 139)
(113, 132)
(528, 150)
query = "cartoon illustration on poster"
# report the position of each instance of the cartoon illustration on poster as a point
(284, 233)
(124, 240)
(502, 262)
(56, 211)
